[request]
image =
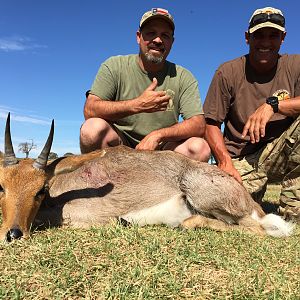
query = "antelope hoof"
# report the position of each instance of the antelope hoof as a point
(192, 222)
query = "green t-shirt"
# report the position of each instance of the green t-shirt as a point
(121, 78)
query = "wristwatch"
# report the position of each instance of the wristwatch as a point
(273, 101)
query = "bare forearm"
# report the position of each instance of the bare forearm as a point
(215, 139)
(290, 107)
(108, 110)
(193, 127)
(149, 101)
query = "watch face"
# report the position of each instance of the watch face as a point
(272, 100)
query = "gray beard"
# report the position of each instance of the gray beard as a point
(154, 59)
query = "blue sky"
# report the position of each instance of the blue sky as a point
(50, 52)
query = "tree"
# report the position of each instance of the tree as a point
(68, 154)
(26, 147)
(52, 155)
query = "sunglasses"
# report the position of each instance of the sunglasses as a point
(263, 17)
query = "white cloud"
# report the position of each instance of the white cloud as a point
(19, 117)
(17, 43)
(30, 120)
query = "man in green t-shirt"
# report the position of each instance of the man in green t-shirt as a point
(137, 100)
(257, 97)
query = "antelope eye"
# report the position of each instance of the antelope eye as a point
(1, 189)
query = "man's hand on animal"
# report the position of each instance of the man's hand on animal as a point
(152, 100)
(149, 142)
(256, 124)
(231, 170)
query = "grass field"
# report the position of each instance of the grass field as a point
(153, 262)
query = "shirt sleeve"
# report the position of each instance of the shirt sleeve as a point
(190, 101)
(217, 101)
(297, 75)
(105, 83)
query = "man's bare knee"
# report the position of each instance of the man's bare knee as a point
(195, 148)
(96, 133)
(91, 128)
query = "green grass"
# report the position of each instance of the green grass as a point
(153, 262)
(272, 193)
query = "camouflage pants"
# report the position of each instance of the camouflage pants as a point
(278, 162)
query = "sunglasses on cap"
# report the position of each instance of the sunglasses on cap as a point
(264, 17)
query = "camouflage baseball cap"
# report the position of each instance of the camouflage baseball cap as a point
(157, 13)
(267, 17)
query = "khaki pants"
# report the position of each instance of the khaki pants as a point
(278, 162)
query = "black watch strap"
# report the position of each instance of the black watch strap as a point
(273, 101)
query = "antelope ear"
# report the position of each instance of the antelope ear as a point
(69, 164)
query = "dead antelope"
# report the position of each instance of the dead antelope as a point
(143, 187)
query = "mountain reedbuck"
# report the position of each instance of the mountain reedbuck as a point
(142, 187)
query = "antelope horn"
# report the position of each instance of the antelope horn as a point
(41, 161)
(9, 154)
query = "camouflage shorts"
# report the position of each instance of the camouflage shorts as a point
(278, 162)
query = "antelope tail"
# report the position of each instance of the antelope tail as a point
(274, 225)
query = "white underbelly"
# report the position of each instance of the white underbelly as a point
(171, 212)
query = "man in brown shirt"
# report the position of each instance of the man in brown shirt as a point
(257, 97)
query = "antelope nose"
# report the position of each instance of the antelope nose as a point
(14, 234)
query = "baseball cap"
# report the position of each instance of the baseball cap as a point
(157, 13)
(267, 17)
